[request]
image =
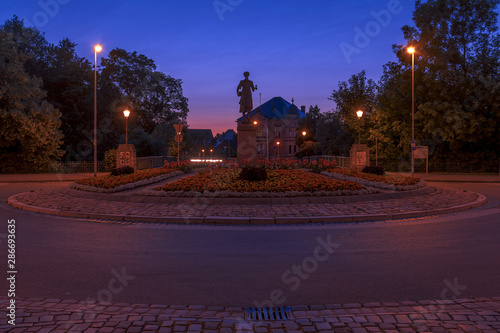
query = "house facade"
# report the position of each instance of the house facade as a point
(277, 127)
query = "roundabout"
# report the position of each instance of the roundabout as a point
(150, 204)
(393, 275)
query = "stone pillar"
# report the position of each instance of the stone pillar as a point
(247, 143)
(360, 156)
(126, 155)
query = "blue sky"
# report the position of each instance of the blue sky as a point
(292, 49)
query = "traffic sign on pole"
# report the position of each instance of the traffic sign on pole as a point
(178, 128)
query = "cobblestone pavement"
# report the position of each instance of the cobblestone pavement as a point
(55, 315)
(68, 205)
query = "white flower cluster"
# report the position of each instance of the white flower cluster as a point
(257, 194)
(371, 183)
(128, 186)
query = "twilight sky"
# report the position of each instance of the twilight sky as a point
(293, 49)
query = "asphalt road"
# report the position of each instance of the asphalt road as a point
(449, 256)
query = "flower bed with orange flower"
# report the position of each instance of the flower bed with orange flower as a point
(388, 182)
(226, 183)
(109, 184)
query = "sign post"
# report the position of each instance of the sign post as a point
(423, 152)
(178, 138)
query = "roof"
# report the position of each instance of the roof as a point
(228, 135)
(276, 108)
(201, 132)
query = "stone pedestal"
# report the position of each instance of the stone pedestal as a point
(247, 143)
(126, 155)
(360, 156)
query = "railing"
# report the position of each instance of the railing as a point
(342, 161)
(150, 162)
(62, 167)
(443, 167)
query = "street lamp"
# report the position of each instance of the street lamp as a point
(267, 139)
(304, 133)
(278, 143)
(126, 113)
(413, 143)
(211, 153)
(203, 151)
(97, 48)
(359, 114)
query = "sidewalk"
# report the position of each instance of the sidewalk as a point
(46, 177)
(455, 178)
(457, 315)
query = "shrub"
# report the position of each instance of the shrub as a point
(374, 170)
(110, 160)
(253, 173)
(126, 170)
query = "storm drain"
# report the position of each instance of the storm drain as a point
(268, 313)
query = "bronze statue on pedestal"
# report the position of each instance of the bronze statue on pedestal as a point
(246, 101)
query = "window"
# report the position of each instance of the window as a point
(278, 132)
(289, 149)
(260, 133)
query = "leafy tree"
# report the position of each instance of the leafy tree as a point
(154, 96)
(30, 41)
(308, 148)
(456, 69)
(309, 124)
(358, 93)
(29, 134)
(332, 135)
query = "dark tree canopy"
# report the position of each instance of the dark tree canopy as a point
(29, 135)
(155, 97)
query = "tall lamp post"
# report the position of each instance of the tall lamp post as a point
(359, 114)
(278, 146)
(126, 113)
(97, 48)
(267, 139)
(413, 143)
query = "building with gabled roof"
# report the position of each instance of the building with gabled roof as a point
(277, 127)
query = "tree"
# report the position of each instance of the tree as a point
(457, 62)
(29, 125)
(29, 41)
(156, 98)
(332, 135)
(358, 93)
(308, 148)
(309, 124)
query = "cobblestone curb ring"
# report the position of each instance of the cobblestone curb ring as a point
(134, 208)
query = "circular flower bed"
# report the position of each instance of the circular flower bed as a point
(226, 183)
(388, 182)
(110, 184)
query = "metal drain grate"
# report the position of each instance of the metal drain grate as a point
(268, 313)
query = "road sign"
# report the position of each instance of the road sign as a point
(422, 152)
(178, 137)
(178, 128)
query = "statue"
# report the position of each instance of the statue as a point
(246, 102)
